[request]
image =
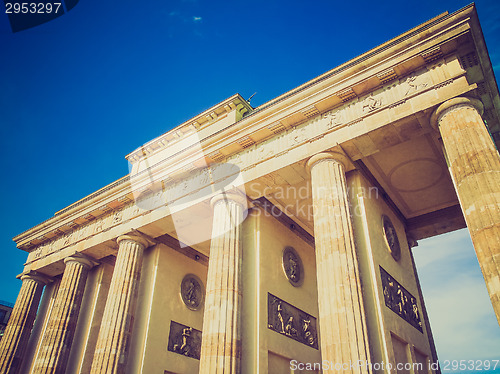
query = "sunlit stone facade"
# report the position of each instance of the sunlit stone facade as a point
(265, 240)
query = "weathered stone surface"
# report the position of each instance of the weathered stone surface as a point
(110, 354)
(221, 344)
(341, 311)
(56, 343)
(475, 165)
(17, 333)
(375, 110)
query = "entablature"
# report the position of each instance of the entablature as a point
(405, 77)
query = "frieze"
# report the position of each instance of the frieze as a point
(400, 301)
(350, 113)
(184, 340)
(215, 177)
(113, 218)
(347, 114)
(292, 322)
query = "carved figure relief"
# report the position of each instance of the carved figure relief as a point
(292, 322)
(292, 266)
(98, 225)
(184, 347)
(414, 83)
(334, 119)
(400, 301)
(82, 233)
(391, 237)
(192, 291)
(265, 151)
(37, 254)
(67, 239)
(157, 200)
(131, 211)
(184, 340)
(117, 217)
(371, 103)
(300, 135)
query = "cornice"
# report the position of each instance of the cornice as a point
(386, 49)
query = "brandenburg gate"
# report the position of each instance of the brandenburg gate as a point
(279, 238)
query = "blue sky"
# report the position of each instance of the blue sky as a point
(79, 93)
(462, 318)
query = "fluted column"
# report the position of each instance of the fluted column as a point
(221, 345)
(475, 165)
(56, 343)
(113, 341)
(18, 330)
(341, 311)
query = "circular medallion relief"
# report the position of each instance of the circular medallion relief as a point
(292, 266)
(391, 237)
(192, 291)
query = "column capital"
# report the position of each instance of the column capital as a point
(36, 276)
(325, 156)
(235, 196)
(81, 259)
(453, 104)
(135, 237)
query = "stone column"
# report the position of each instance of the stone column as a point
(54, 349)
(221, 345)
(341, 312)
(111, 350)
(474, 163)
(18, 330)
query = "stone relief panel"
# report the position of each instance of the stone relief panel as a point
(98, 225)
(416, 82)
(400, 301)
(192, 291)
(184, 340)
(334, 119)
(42, 250)
(292, 322)
(117, 217)
(131, 211)
(372, 103)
